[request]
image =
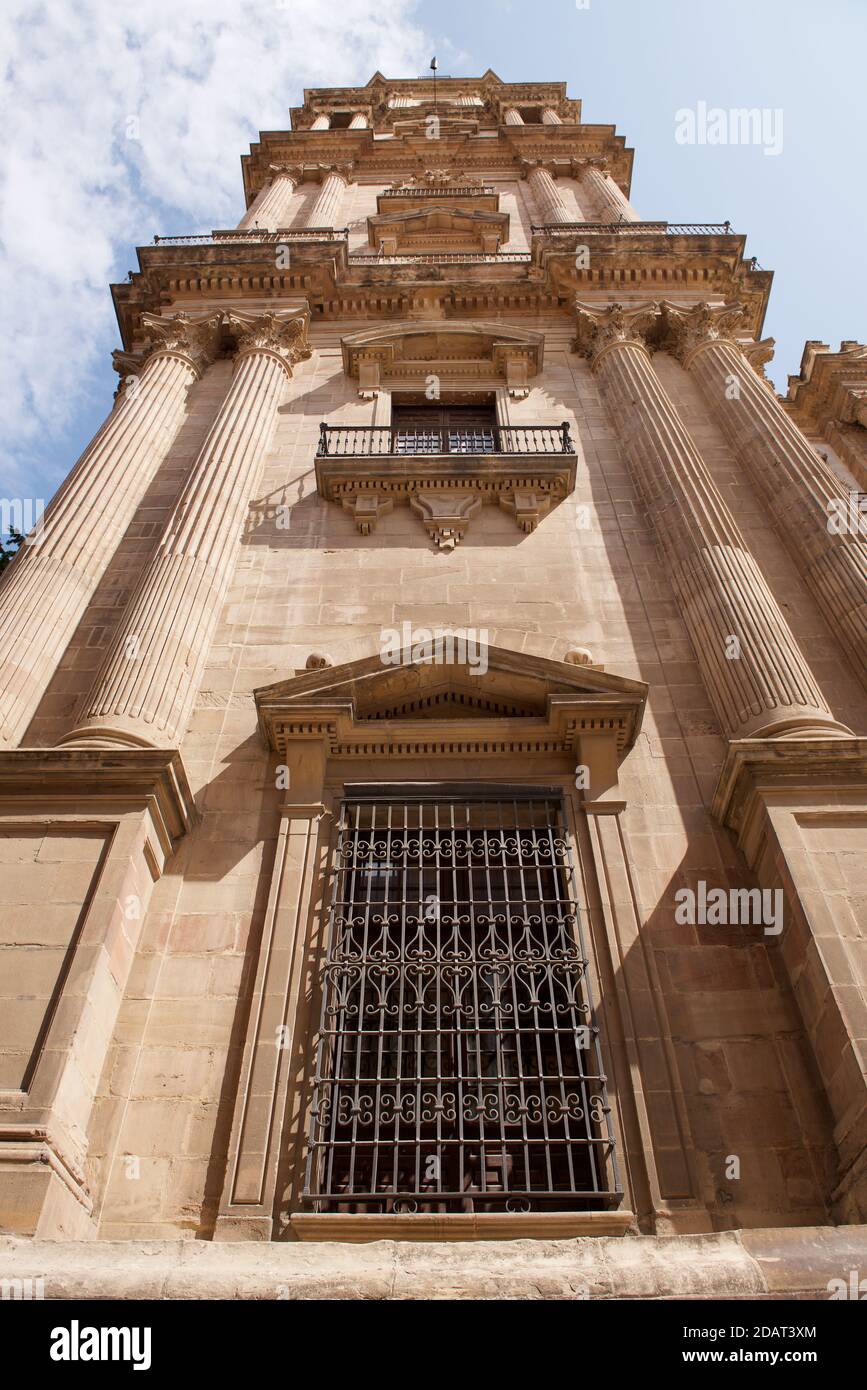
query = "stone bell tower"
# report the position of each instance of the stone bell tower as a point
(433, 787)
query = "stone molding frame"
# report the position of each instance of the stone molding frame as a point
(460, 351)
(798, 808)
(526, 719)
(444, 490)
(134, 805)
(437, 228)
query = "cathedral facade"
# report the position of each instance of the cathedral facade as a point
(433, 787)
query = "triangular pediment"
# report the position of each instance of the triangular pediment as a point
(499, 695)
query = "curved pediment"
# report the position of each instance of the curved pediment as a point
(424, 347)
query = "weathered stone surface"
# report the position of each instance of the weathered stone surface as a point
(755, 1264)
(228, 598)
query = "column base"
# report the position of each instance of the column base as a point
(116, 733)
(806, 724)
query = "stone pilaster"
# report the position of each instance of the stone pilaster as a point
(326, 206)
(753, 669)
(144, 691)
(47, 589)
(547, 196)
(270, 209)
(278, 1016)
(612, 201)
(807, 502)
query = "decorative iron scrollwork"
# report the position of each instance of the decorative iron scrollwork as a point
(458, 1066)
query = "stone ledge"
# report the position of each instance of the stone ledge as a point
(784, 1262)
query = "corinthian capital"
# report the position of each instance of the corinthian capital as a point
(699, 325)
(295, 172)
(601, 328)
(195, 338)
(343, 171)
(758, 354)
(596, 161)
(283, 336)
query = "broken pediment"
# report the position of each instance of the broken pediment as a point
(446, 691)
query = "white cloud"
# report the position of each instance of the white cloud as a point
(201, 78)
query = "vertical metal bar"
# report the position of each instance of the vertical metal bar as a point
(509, 1035)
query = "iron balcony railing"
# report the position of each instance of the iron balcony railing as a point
(440, 258)
(644, 228)
(248, 234)
(256, 234)
(354, 441)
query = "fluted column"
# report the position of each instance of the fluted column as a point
(547, 197)
(753, 669)
(513, 117)
(146, 686)
(808, 503)
(550, 117)
(358, 122)
(613, 203)
(324, 211)
(270, 208)
(321, 123)
(47, 588)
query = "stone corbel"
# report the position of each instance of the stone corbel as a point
(446, 516)
(527, 508)
(369, 368)
(366, 509)
(516, 367)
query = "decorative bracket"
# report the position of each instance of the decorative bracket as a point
(527, 508)
(446, 516)
(366, 509)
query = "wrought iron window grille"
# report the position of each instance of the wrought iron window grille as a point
(458, 1065)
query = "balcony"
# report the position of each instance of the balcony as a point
(445, 475)
(368, 441)
(635, 228)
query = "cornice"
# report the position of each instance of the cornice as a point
(320, 273)
(402, 155)
(830, 385)
(94, 776)
(755, 770)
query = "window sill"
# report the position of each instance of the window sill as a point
(538, 1225)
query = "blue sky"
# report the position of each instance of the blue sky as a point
(194, 83)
